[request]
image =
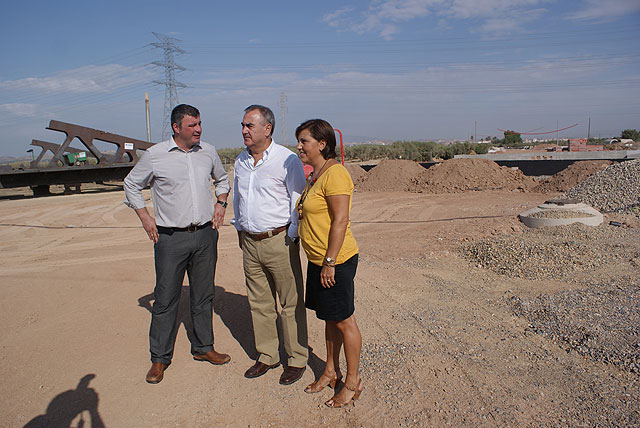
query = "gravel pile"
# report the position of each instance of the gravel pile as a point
(560, 214)
(571, 176)
(555, 252)
(614, 189)
(601, 322)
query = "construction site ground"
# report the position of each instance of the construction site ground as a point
(446, 341)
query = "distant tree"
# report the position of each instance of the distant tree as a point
(632, 134)
(512, 139)
(481, 148)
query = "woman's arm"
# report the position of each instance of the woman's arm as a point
(339, 214)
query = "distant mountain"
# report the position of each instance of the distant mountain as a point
(11, 159)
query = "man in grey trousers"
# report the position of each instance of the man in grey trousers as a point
(184, 232)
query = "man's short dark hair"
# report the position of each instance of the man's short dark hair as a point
(266, 114)
(181, 111)
(321, 130)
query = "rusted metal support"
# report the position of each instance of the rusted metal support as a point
(53, 148)
(126, 152)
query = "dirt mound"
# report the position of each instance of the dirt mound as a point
(571, 176)
(459, 175)
(391, 176)
(356, 171)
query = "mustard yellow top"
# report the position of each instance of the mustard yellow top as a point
(316, 222)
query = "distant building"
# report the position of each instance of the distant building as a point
(580, 145)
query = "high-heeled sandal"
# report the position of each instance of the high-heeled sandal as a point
(318, 386)
(333, 403)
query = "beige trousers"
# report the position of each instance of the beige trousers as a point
(272, 271)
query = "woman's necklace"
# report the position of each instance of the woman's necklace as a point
(315, 177)
(310, 182)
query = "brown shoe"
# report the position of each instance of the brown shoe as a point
(291, 375)
(156, 372)
(213, 357)
(258, 369)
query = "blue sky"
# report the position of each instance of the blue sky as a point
(378, 70)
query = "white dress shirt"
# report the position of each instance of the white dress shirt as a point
(180, 183)
(265, 194)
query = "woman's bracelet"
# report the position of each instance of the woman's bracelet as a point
(328, 261)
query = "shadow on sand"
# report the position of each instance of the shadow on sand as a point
(234, 311)
(75, 407)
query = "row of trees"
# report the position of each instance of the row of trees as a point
(420, 151)
(632, 134)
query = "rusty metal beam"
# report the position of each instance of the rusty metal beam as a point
(53, 148)
(126, 146)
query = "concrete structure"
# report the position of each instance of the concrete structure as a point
(591, 216)
(565, 156)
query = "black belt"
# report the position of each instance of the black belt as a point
(191, 228)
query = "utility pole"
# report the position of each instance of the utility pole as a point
(475, 131)
(168, 44)
(283, 115)
(146, 109)
(588, 130)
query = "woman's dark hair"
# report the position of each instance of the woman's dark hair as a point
(321, 130)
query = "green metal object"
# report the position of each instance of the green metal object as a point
(76, 158)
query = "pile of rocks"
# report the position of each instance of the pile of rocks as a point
(571, 176)
(614, 189)
(555, 252)
(601, 321)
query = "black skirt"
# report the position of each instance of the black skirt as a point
(334, 303)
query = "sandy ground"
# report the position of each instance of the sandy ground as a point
(440, 346)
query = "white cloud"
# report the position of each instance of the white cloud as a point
(88, 79)
(381, 16)
(511, 21)
(605, 9)
(334, 18)
(489, 9)
(20, 109)
(384, 17)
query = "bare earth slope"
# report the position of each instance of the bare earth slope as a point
(445, 342)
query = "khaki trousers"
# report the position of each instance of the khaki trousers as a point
(272, 271)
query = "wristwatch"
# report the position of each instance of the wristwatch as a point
(329, 261)
(223, 203)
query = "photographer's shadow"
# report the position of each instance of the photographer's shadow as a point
(71, 408)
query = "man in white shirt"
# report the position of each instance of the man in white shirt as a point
(184, 233)
(268, 180)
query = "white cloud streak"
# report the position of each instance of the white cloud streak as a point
(384, 17)
(605, 9)
(20, 109)
(88, 79)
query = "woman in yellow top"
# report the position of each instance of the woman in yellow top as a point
(332, 251)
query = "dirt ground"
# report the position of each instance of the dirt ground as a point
(440, 345)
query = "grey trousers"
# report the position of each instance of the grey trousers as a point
(176, 253)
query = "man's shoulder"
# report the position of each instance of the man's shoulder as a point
(283, 153)
(159, 147)
(208, 148)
